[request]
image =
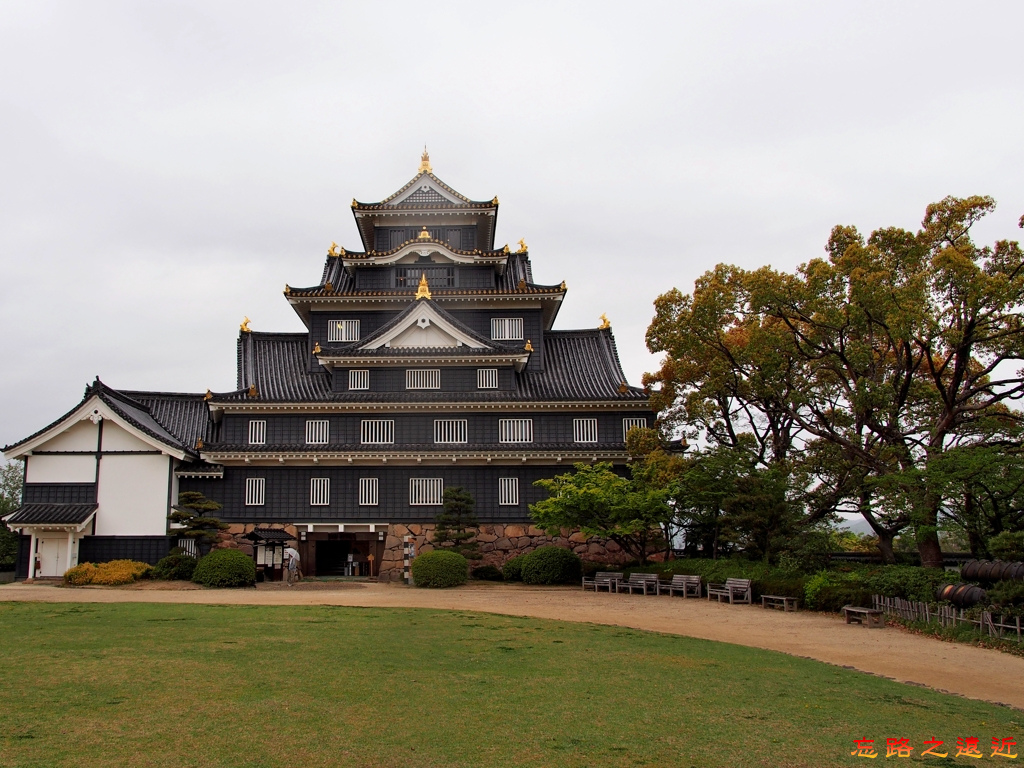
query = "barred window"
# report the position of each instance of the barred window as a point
(584, 430)
(449, 430)
(359, 379)
(368, 487)
(258, 432)
(320, 491)
(318, 432)
(508, 491)
(423, 378)
(487, 378)
(377, 431)
(515, 430)
(507, 328)
(425, 491)
(343, 330)
(255, 491)
(628, 424)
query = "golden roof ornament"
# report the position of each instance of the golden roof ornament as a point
(423, 235)
(287, 288)
(208, 395)
(563, 285)
(529, 346)
(495, 200)
(505, 249)
(335, 250)
(425, 161)
(423, 291)
(522, 245)
(316, 348)
(522, 284)
(329, 286)
(252, 391)
(244, 327)
(199, 444)
(355, 203)
(623, 388)
(604, 322)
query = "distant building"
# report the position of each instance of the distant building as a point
(429, 361)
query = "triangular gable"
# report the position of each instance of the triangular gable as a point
(424, 325)
(426, 190)
(94, 408)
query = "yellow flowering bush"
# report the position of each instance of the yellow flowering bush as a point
(110, 574)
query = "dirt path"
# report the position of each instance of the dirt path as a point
(976, 673)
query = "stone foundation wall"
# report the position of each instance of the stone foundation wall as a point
(498, 544)
(232, 538)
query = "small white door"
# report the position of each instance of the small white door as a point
(53, 556)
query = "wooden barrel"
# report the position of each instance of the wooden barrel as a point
(964, 595)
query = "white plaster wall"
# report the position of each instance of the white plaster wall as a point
(61, 469)
(80, 436)
(116, 438)
(132, 495)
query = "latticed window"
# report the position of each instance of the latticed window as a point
(450, 430)
(584, 430)
(506, 328)
(486, 378)
(438, 277)
(343, 330)
(368, 491)
(426, 491)
(255, 491)
(423, 378)
(628, 424)
(359, 379)
(515, 430)
(320, 491)
(258, 432)
(318, 432)
(508, 491)
(377, 431)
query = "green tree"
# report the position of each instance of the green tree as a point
(599, 502)
(11, 476)
(193, 514)
(456, 525)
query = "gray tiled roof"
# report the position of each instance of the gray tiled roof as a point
(51, 514)
(578, 365)
(400, 318)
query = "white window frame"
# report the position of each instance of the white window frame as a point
(318, 431)
(507, 328)
(369, 491)
(630, 422)
(508, 491)
(358, 378)
(255, 491)
(377, 431)
(515, 430)
(320, 492)
(584, 430)
(486, 378)
(257, 431)
(451, 431)
(423, 378)
(426, 491)
(342, 330)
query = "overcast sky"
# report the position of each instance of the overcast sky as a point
(166, 167)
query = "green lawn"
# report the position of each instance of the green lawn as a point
(188, 685)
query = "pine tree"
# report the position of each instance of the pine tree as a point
(457, 526)
(193, 514)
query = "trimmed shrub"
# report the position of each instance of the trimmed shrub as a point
(440, 568)
(1008, 545)
(175, 568)
(225, 568)
(80, 575)
(512, 570)
(552, 565)
(1006, 594)
(111, 574)
(488, 573)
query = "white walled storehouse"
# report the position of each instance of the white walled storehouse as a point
(428, 359)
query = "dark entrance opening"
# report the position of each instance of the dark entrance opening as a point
(346, 554)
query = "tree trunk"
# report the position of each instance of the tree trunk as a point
(928, 546)
(885, 538)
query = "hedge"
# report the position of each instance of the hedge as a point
(512, 570)
(110, 574)
(225, 568)
(552, 565)
(440, 568)
(176, 567)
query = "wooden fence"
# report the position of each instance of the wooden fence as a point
(989, 623)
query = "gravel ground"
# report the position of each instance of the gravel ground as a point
(976, 673)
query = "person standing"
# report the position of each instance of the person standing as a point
(292, 573)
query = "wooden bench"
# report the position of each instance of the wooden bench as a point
(778, 601)
(645, 582)
(603, 580)
(871, 617)
(689, 586)
(736, 591)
